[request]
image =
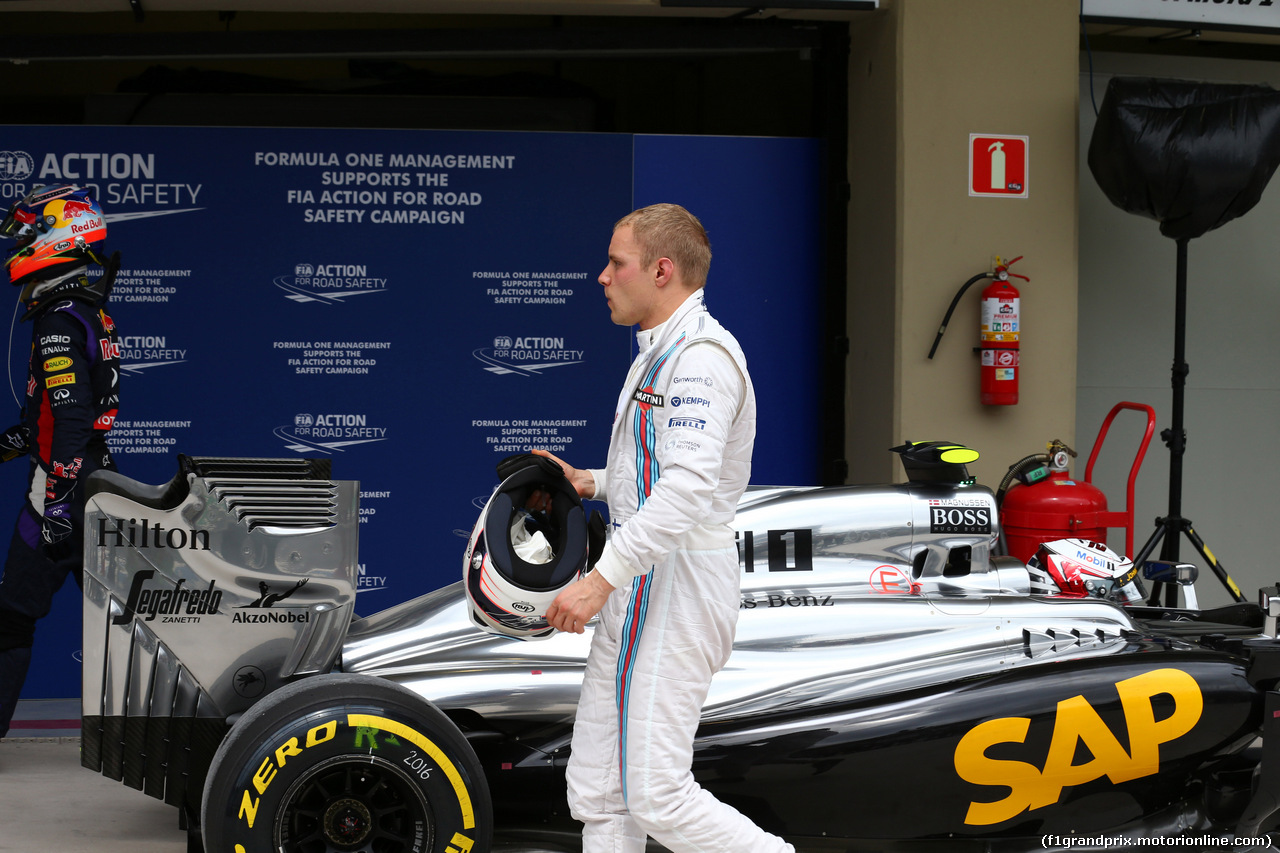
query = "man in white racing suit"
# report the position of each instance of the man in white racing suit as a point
(667, 584)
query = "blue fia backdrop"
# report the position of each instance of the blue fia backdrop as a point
(413, 305)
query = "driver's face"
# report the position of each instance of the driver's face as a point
(628, 287)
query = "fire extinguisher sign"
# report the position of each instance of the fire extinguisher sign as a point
(998, 165)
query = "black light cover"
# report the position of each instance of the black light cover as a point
(1192, 156)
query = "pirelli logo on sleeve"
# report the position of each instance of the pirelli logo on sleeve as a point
(60, 379)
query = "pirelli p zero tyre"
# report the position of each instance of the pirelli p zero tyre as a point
(345, 764)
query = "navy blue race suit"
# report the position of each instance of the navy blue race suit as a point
(73, 388)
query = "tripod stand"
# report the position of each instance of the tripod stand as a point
(1171, 525)
(1192, 156)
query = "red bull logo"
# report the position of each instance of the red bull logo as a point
(71, 208)
(81, 216)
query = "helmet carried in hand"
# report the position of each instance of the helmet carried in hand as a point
(519, 558)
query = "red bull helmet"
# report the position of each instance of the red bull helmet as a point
(519, 559)
(1078, 568)
(59, 230)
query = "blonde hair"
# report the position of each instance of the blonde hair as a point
(670, 231)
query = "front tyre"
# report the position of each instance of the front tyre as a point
(345, 764)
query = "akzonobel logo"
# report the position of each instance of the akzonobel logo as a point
(528, 355)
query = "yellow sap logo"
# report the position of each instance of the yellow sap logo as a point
(1077, 722)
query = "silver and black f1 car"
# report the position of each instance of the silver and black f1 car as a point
(895, 685)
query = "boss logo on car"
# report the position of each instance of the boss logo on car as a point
(1076, 722)
(959, 519)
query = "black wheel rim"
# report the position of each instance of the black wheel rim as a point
(354, 804)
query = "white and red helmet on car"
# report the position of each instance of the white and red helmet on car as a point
(519, 558)
(1078, 568)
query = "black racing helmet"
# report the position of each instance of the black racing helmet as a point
(518, 559)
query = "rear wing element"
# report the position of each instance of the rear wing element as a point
(200, 597)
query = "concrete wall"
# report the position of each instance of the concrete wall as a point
(924, 75)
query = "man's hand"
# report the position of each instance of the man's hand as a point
(13, 442)
(56, 531)
(578, 602)
(580, 478)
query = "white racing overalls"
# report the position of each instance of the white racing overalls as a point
(679, 459)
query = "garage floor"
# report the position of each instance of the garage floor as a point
(52, 803)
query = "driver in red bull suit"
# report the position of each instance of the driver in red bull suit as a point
(73, 386)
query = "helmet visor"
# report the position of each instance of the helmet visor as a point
(18, 224)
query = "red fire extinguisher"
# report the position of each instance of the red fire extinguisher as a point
(1039, 500)
(1048, 503)
(1001, 326)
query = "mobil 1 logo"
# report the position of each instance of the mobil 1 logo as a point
(959, 516)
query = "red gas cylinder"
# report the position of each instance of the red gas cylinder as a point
(1057, 507)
